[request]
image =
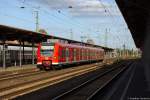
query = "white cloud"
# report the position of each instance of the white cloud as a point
(60, 4)
(81, 8)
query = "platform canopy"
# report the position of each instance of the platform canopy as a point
(136, 14)
(8, 33)
(11, 33)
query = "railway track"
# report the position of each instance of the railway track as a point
(16, 72)
(119, 86)
(29, 86)
(19, 74)
(88, 89)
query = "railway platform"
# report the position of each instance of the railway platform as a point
(139, 82)
(17, 68)
(134, 84)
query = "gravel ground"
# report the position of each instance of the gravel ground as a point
(20, 80)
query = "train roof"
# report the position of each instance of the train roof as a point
(80, 46)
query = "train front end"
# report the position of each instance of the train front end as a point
(45, 56)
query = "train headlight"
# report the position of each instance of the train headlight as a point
(39, 57)
(55, 57)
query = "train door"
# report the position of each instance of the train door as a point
(78, 54)
(60, 55)
(86, 54)
(83, 54)
(64, 54)
(74, 55)
(67, 55)
(1, 59)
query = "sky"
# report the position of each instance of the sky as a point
(99, 20)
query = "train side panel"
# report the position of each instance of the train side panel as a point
(70, 54)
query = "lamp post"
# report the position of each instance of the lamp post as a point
(36, 29)
(36, 19)
(71, 34)
(82, 38)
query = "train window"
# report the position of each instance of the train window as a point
(63, 52)
(72, 52)
(60, 53)
(47, 50)
(85, 54)
(75, 52)
(89, 54)
(80, 54)
(67, 52)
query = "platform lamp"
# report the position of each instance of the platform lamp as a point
(36, 18)
(37, 29)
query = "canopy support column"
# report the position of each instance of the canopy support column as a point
(33, 54)
(20, 55)
(23, 54)
(4, 55)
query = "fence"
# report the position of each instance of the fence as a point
(12, 57)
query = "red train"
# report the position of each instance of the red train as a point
(50, 55)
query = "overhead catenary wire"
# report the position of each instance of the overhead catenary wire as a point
(26, 20)
(70, 19)
(60, 19)
(72, 24)
(114, 22)
(81, 25)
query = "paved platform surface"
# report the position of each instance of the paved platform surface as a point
(139, 87)
(133, 84)
(16, 68)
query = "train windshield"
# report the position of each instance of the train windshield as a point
(47, 50)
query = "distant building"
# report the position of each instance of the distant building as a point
(90, 41)
(42, 31)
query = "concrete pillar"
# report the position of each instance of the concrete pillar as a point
(33, 54)
(23, 53)
(146, 53)
(109, 54)
(20, 55)
(4, 55)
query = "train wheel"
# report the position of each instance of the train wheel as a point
(41, 68)
(60, 67)
(53, 68)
